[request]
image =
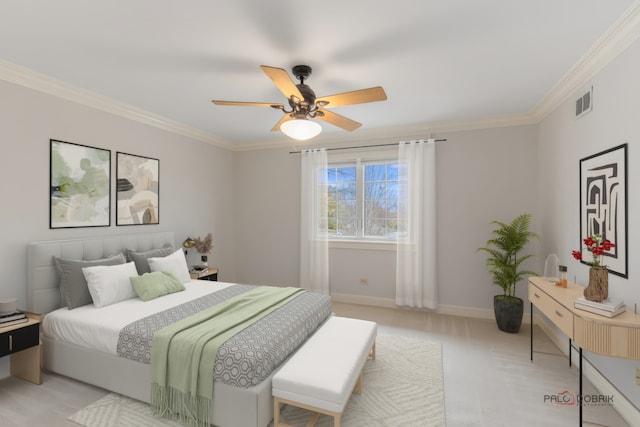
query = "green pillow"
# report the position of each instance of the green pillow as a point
(156, 284)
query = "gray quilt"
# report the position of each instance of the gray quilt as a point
(252, 354)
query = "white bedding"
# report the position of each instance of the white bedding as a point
(99, 328)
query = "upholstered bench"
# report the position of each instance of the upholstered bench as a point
(324, 372)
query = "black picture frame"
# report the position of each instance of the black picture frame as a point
(603, 205)
(79, 185)
(137, 190)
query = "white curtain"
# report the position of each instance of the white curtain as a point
(314, 245)
(416, 275)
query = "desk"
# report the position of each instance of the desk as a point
(615, 337)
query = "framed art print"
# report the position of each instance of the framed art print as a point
(80, 186)
(137, 190)
(603, 204)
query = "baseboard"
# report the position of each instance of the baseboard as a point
(452, 310)
(621, 404)
(364, 300)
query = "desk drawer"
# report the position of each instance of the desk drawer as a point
(556, 312)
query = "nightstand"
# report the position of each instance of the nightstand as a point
(22, 343)
(211, 274)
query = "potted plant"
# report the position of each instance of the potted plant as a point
(504, 263)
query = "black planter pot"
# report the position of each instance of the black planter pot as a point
(508, 311)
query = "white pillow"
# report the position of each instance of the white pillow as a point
(175, 263)
(109, 284)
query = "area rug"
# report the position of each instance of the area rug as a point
(402, 387)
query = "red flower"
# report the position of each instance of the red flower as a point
(596, 246)
(607, 245)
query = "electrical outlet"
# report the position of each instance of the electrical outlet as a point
(364, 281)
(638, 375)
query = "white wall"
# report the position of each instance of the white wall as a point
(483, 175)
(563, 141)
(267, 217)
(195, 180)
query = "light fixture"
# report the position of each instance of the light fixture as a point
(187, 244)
(300, 129)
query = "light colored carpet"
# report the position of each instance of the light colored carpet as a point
(402, 387)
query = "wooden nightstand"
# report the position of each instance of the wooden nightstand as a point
(211, 274)
(22, 342)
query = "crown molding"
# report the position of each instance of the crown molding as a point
(618, 37)
(33, 80)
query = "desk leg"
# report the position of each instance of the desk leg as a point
(580, 395)
(569, 352)
(531, 333)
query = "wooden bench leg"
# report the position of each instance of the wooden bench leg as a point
(276, 412)
(357, 389)
(313, 419)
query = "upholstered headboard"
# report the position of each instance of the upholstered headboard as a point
(43, 293)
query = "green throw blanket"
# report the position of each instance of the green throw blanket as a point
(183, 354)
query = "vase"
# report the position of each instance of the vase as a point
(598, 289)
(204, 259)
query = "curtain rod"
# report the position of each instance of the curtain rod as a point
(365, 146)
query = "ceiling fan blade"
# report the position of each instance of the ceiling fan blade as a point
(361, 96)
(338, 120)
(248, 104)
(284, 118)
(282, 80)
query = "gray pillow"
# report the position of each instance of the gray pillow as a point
(73, 286)
(140, 258)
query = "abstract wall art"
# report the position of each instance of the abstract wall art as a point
(80, 186)
(603, 204)
(137, 190)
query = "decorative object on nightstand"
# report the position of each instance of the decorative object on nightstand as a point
(9, 315)
(204, 246)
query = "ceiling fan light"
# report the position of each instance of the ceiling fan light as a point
(301, 129)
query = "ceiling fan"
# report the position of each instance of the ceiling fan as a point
(303, 104)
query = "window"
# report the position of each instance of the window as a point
(362, 199)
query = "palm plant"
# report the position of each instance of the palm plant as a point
(504, 253)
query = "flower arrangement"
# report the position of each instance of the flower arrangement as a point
(597, 247)
(204, 246)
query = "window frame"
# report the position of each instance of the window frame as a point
(361, 160)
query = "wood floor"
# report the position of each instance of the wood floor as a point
(489, 380)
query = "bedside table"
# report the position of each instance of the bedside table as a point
(211, 274)
(22, 343)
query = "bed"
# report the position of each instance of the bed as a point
(94, 363)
